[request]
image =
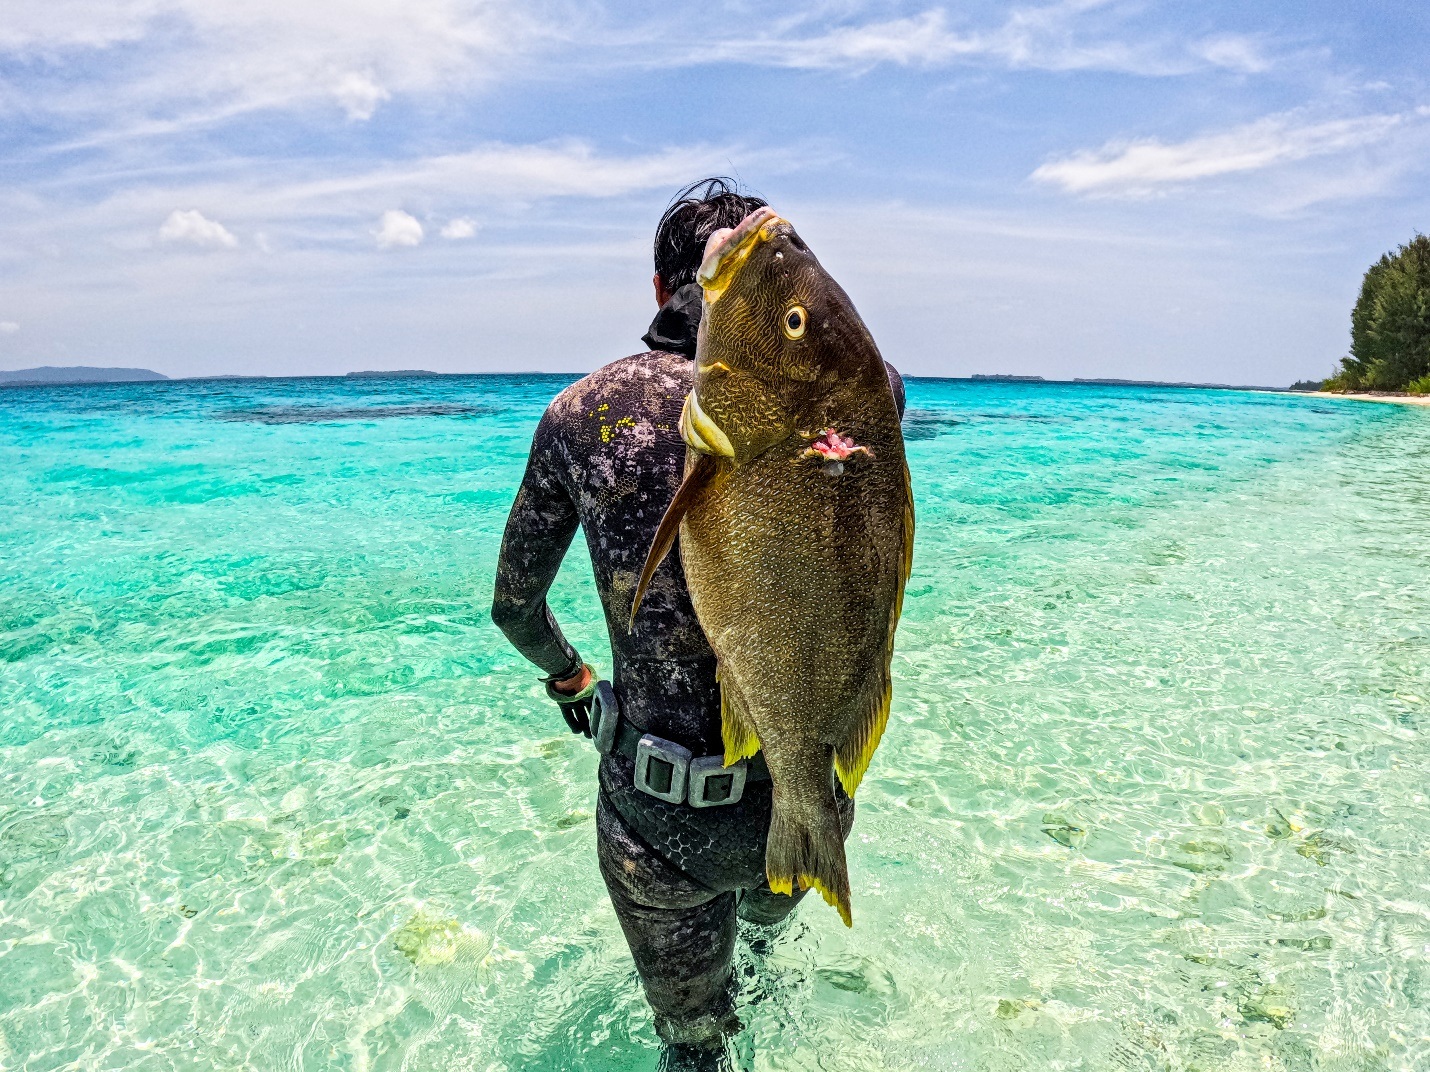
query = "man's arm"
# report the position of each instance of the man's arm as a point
(539, 530)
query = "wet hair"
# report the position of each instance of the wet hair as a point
(693, 215)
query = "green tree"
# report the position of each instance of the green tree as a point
(1390, 325)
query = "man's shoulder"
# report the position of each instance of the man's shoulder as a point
(642, 384)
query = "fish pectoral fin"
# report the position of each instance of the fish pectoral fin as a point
(697, 479)
(736, 729)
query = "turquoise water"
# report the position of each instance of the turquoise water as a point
(274, 794)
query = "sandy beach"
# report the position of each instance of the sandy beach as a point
(1414, 400)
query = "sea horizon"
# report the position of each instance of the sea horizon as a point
(382, 374)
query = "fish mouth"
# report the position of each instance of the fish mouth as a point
(728, 249)
(700, 432)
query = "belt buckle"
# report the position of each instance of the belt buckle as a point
(605, 715)
(662, 769)
(713, 785)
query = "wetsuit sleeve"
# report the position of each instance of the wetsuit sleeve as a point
(897, 383)
(539, 529)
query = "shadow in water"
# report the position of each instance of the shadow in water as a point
(927, 423)
(327, 414)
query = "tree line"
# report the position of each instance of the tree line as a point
(1390, 326)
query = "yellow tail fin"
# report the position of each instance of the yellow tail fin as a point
(810, 851)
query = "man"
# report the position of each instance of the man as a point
(680, 865)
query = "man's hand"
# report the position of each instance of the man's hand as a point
(573, 696)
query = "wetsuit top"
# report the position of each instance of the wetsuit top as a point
(607, 457)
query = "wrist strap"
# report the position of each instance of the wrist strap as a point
(570, 670)
(575, 697)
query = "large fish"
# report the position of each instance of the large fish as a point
(796, 530)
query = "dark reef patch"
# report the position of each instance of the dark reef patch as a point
(330, 414)
(928, 423)
(931, 423)
(1035, 418)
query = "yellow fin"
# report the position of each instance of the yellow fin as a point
(807, 882)
(851, 758)
(736, 729)
(785, 885)
(808, 847)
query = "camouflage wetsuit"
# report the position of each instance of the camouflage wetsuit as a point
(607, 457)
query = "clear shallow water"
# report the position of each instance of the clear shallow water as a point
(274, 794)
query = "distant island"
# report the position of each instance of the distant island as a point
(1000, 377)
(49, 374)
(397, 374)
(1106, 382)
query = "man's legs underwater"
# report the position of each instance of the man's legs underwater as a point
(682, 933)
(764, 907)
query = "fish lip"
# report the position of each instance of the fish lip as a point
(718, 267)
(700, 432)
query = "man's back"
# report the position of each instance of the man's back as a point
(608, 456)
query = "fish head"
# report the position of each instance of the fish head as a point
(775, 335)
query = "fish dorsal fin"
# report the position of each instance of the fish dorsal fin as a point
(851, 757)
(697, 479)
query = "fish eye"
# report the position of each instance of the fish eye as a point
(795, 321)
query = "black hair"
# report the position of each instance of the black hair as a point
(693, 215)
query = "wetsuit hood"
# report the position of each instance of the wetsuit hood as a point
(674, 327)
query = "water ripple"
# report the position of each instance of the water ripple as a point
(275, 794)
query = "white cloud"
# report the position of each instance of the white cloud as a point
(155, 66)
(1050, 37)
(521, 173)
(72, 23)
(570, 168)
(397, 228)
(186, 61)
(297, 204)
(8, 327)
(922, 39)
(461, 227)
(1137, 168)
(1232, 52)
(359, 95)
(193, 227)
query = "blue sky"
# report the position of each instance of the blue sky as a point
(1085, 188)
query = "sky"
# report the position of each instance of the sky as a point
(1098, 188)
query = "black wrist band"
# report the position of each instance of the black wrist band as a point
(572, 669)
